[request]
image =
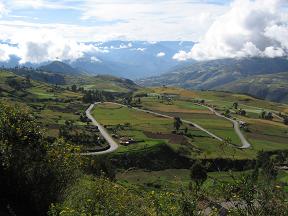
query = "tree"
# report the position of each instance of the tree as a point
(74, 88)
(235, 105)
(269, 116)
(198, 173)
(186, 130)
(285, 120)
(128, 100)
(33, 170)
(242, 112)
(22, 156)
(263, 114)
(177, 123)
(227, 113)
(139, 100)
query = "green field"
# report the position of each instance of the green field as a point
(53, 105)
(264, 134)
(195, 113)
(102, 83)
(113, 115)
(149, 130)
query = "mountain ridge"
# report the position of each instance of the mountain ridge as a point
(217, 74)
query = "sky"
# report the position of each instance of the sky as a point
(42, 30)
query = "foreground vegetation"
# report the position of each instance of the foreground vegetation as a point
(34, 164)
(163, 166)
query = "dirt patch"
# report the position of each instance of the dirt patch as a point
(271, 138)
(173, 138)
(266, 122)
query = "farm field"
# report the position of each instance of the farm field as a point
(148, 131)
(263, 134)
(132, 124)
(195, 113)
(153, 156)
(53, 106)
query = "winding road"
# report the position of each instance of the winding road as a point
(185, 121)
(245, 143)
(113, 144)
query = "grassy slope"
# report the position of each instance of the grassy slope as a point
(52, 106)
(173, 179)
(265, 135)
(102, 82)
(200, 146)
(271, 87)
(112, 115)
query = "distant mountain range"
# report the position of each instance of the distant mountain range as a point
(128, 59)
(264, 78)
(152, 64)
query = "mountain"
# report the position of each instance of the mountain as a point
(260, 77)
(106, 83)
(128, 59)
(60, 68)
(273, 87)
(132, 59)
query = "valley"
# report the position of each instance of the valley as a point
(144, 108)
(150, 137)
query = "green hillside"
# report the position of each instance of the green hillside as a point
(260, 77)
(271, 87)
(103, 83)
(45, 127)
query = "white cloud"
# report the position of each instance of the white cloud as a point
(39, 45)
(152, 20)
(181, 56)
(122, 46)
(3, 9)
(5, 51)
(144, 20)
(250, 28)
(37, 4)
(273, 52)
(161, 54)
(95, 59)
(139, 49)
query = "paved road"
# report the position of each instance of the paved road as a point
(245, 143)
(104, 133)
(171, 117)
(277, 116)
(113, 145)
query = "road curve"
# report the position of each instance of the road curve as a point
(113, 145)
(245, 143)
(171, 117)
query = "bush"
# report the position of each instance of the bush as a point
(33, 171)
(99, 196)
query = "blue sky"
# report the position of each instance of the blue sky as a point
(113, 19)
(43, 30)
